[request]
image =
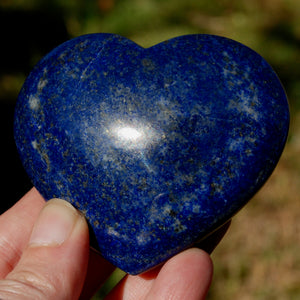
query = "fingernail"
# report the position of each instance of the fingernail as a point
(54, 224)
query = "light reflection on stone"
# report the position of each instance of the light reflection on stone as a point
(129, 134)
(133, 136)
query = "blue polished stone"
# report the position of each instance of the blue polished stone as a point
(158, 147)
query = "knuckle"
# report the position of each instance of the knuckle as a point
(26, 284)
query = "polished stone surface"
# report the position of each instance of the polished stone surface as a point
(157, 147)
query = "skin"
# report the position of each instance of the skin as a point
(45, 254)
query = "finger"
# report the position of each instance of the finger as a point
(53, 265)
(185, 276)
(15, 229)
(133, 287)
(98, 272)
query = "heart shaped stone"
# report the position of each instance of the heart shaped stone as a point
(158, 147)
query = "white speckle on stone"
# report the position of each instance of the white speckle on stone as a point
(113, 232)
(143, 238)
(41, 84)
(34, 144)
(240, 144)
(34, 102)
(246, 104)
(227, 72)
(177, 225)
(236, 144)
(250, 139)
(196, 208)
(167, 209)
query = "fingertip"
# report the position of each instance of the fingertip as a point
(192, 261)
(187, 275)
(203, 264)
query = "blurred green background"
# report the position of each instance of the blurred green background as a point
(259, 258)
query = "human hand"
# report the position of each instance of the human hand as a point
(45, 254)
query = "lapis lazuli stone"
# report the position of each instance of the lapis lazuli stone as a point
(158, 147)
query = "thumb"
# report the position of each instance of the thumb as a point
(54, 264)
